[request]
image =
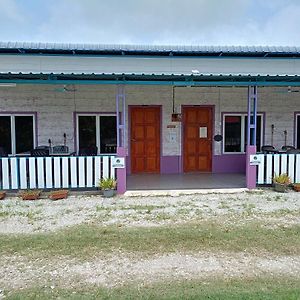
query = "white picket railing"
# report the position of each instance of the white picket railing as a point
(54, 172)
(275, 164)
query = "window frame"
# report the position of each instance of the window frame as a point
(243, 119)
(297, 114)
(12, 116)
(98, 138)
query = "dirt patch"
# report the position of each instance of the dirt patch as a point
(116, 269)
(44, 216)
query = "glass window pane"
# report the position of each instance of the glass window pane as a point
(232, 134)
(298, 132)
(87, 131)
(258, 132)
(108, 134)
(5, 135)
(24, 133)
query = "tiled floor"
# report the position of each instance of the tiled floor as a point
(185, 181)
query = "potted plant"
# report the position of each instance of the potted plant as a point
(296, 187)
(108, 186)
(2, 195)
(281, 182)
(30, 194)
(59, 194)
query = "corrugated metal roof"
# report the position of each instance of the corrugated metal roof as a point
(150, 48)
(153, 65)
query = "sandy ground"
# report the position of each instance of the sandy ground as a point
(117, 269)
(30, 217)
(17, 216)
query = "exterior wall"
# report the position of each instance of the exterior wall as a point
(55, 113)
(55, 108)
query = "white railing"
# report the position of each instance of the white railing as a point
(54, 172)
(275, 164)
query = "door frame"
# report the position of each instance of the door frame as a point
(130, 107)
(212, 107)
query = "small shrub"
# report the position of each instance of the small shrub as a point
(107, 184)
(282, 179)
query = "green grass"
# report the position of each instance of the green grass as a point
(31, 215)
(247, 289)
(87, 240)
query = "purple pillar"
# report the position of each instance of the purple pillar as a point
(251, 136)
(250, 170)
(121, 173)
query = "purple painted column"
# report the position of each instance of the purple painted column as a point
(251, 136)
(121, 173)
(250, 170)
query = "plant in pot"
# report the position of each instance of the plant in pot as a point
(2, 195)
(30, 194)
(296, 187)
(59, 194)
(281, 182)
(108, 186)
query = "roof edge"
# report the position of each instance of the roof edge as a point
(130, 49)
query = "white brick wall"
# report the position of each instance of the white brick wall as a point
(55, 108)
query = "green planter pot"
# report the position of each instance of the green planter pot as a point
(108, 193)
(279, 187)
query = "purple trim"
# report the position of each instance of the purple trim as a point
(129, 134)
(170, 164)
(12, 113)
(118, 117)
(95, 113)
(229, 163)
(128, 162)
(296, 113)
(212, 131)
(245, 114)
(75, 131)
(250, 170)
(121, 173)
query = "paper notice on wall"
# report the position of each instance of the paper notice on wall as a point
(203, 132)
(172, 135)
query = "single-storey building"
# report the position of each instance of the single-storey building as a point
(165, 109)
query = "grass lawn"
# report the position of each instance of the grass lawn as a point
(84, 241)
(264, 288)
(87, 242)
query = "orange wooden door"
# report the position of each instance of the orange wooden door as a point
(145, 140)
(197, 135)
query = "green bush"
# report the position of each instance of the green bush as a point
(107, 184)
(282, 179)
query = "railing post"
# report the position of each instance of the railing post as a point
(121, 172)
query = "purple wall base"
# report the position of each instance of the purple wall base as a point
(229, 163)
(170, 164)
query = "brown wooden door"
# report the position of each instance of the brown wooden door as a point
(145, 140)
(197, 135)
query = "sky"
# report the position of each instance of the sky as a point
(152, 22)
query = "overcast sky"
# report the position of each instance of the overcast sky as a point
(189, 22)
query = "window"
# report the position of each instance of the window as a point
(97, 130)
(298, 131)
(17, 133)
(235, 132)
